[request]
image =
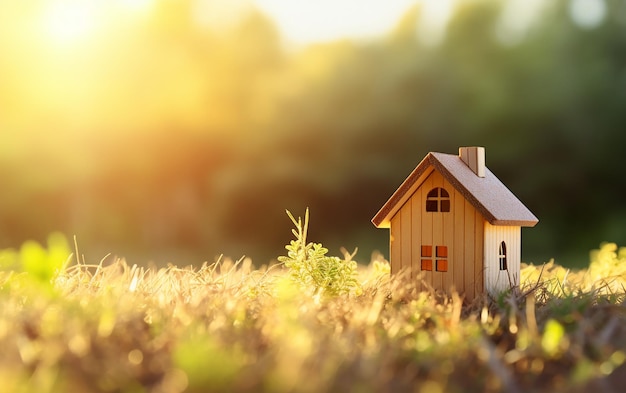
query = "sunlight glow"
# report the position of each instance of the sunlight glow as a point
(304, 22)
(219, 15)
(434, 20)
(588, 14)
(70, 21)
(516, 19)
(136, 5)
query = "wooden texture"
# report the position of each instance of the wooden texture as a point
(458, 249)
(437, 231)
(425, 236)
(448, 237)
(468, 247)
(416, 235)
(412, 227)
(395, 244)
(483, 213)
(474, 158)
(479, 259)
(497, 280)
(405, 238)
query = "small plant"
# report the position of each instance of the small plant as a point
(310, 266)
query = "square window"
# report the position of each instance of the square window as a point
(445, 205)
(431, 206)
(427, 251)
(442, 251)
(442, 265)
(427, 264)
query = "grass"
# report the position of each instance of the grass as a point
(228, 326)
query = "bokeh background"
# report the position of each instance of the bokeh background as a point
(179, 130)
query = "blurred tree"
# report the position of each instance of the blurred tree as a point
(169, 136)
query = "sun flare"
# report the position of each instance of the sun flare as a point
(70, 21)
(136, 5)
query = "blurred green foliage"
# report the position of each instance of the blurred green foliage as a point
(39, 264)
(206, 365)
(335, 127)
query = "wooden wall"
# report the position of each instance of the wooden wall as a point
(497, 280)
(461, 230)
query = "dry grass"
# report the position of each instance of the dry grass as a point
(231, 327)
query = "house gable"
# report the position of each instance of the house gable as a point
(487, 194)
(460, 230)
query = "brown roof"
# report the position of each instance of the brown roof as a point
(487, 194)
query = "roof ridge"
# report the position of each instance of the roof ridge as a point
(487, 194)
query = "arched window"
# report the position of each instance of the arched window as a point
(502, 256)
(438, 200)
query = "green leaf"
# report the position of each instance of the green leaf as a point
(42, 264)
(553, 337)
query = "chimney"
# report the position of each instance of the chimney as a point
(474, 158)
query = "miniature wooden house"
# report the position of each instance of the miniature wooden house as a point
(453, 224)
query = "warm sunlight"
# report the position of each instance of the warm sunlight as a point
(327, 20)
(434, 20)
(136, 5)
(70, 21)
(91, 61)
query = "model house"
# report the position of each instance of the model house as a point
(453, 224)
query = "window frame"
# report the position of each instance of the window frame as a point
(502, 257)
(438, 201)
(439, 259)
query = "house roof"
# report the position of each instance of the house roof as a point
(487, 194)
